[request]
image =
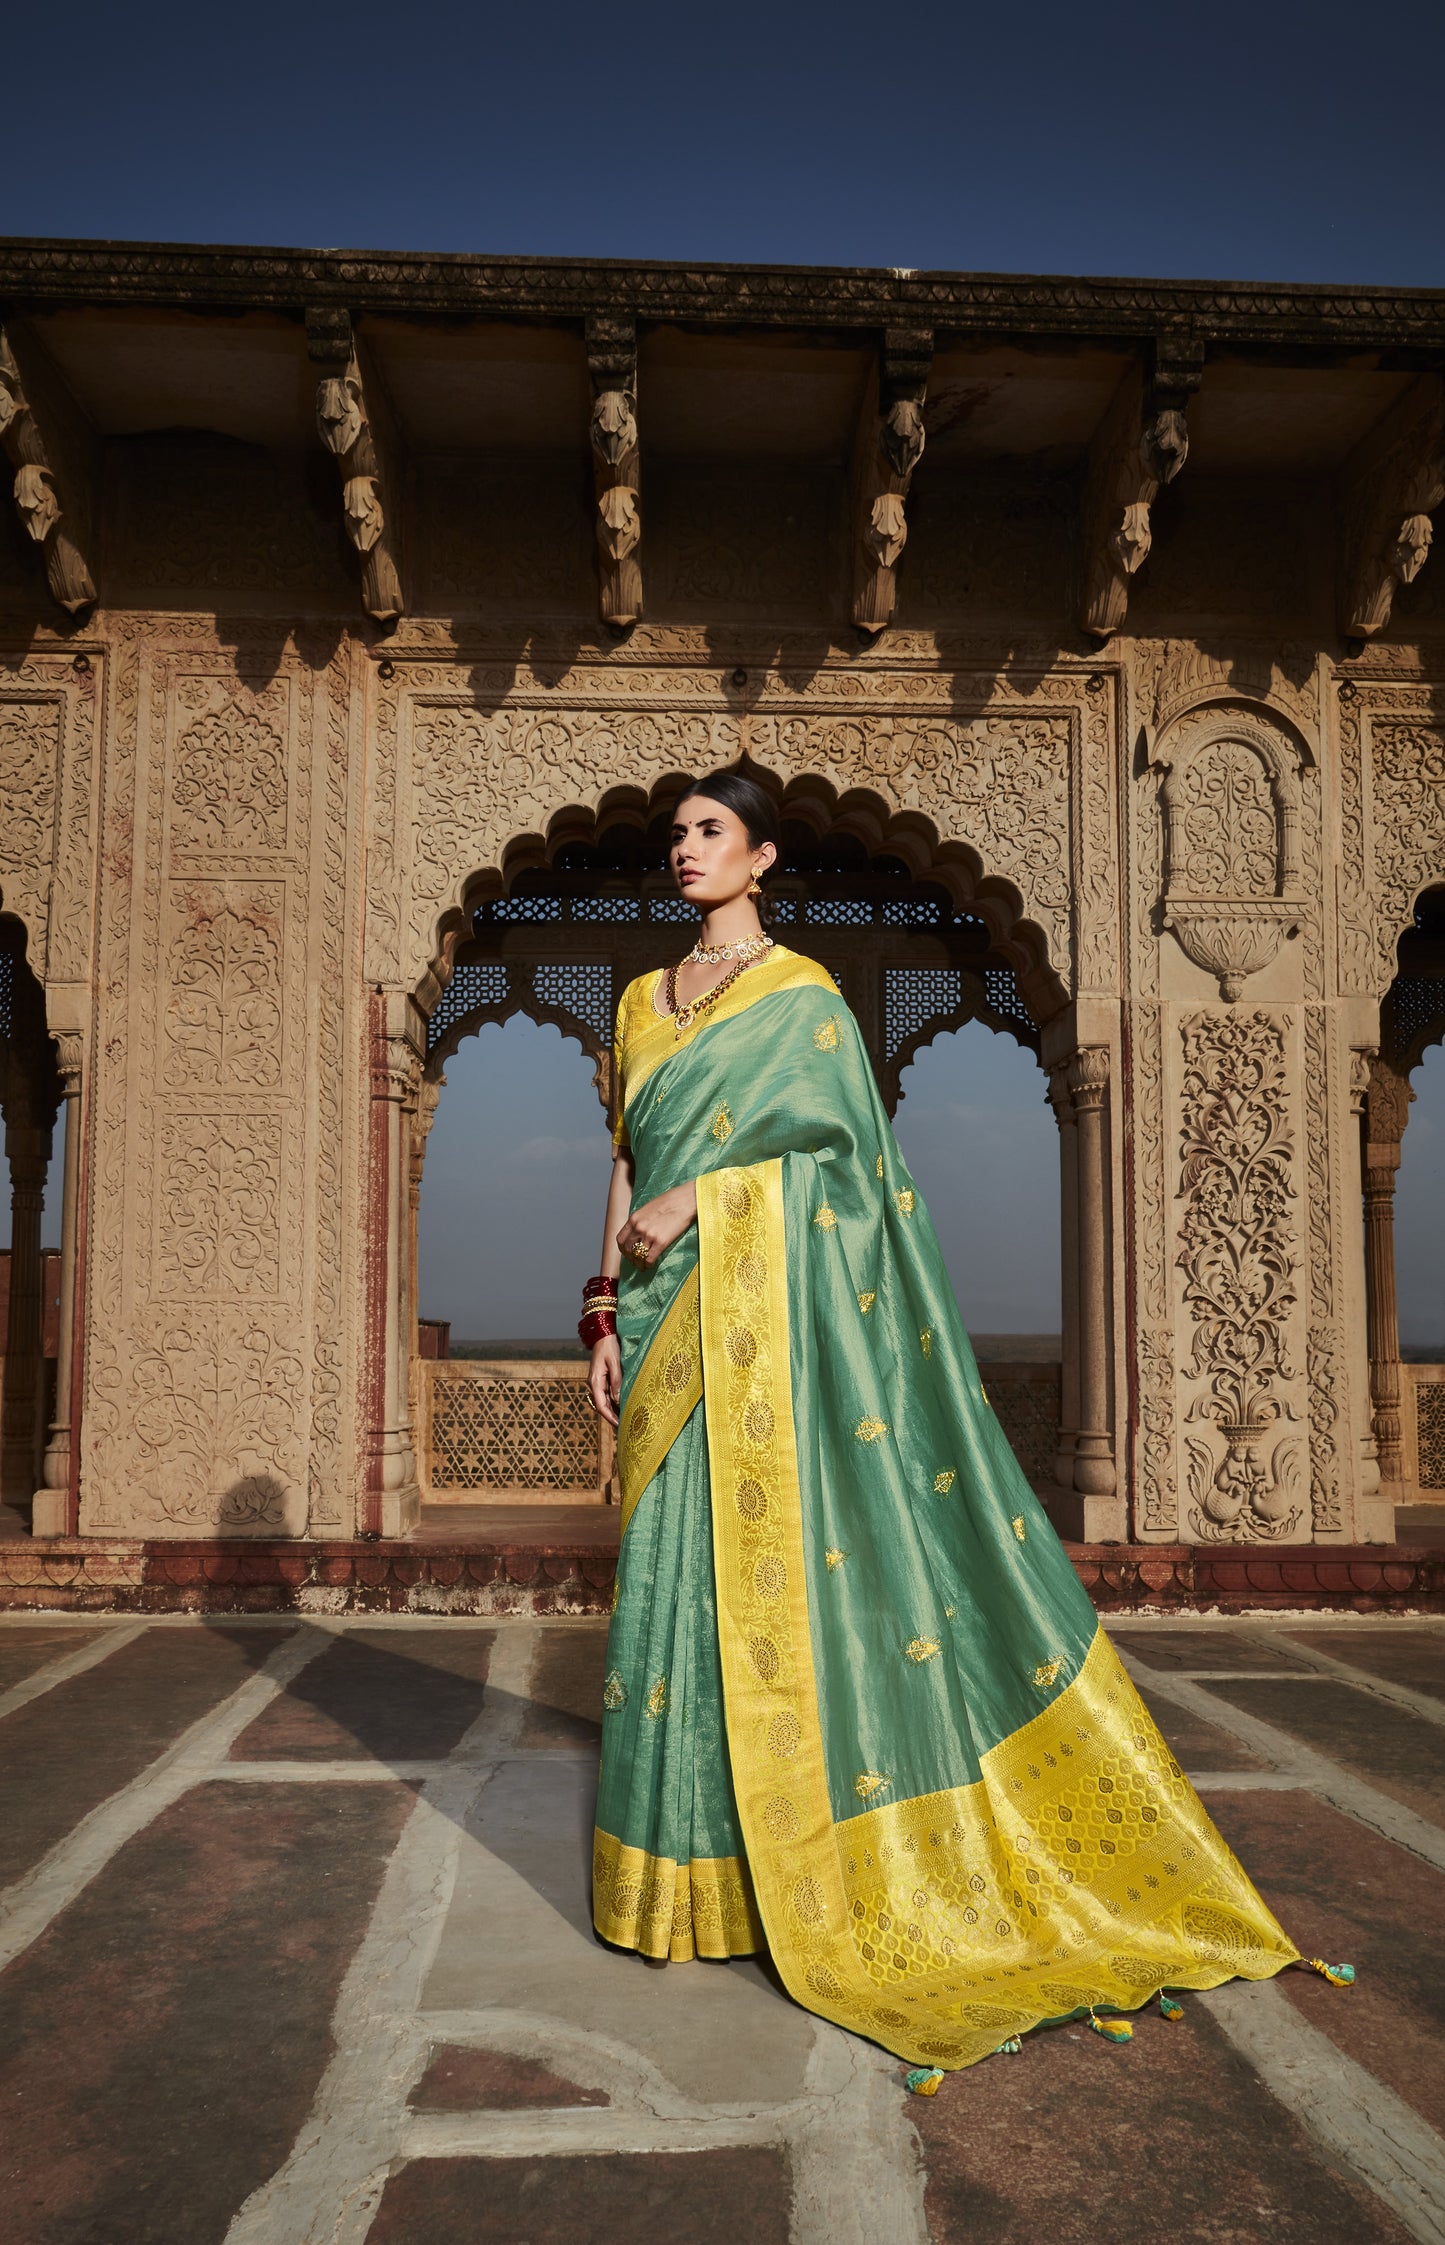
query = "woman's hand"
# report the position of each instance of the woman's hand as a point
(604, 1381)
(651, 1229)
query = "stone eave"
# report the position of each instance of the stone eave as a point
(38, 274)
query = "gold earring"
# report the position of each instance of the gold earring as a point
(755, 886)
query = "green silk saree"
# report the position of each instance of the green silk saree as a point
(858, 1708)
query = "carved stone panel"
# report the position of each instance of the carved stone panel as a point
(217, 1326)
(30, 737)
(1238, 1278)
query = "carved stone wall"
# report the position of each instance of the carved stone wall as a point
(217, 1310)
(241, 846)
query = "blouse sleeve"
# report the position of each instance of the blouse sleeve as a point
(619, 1044)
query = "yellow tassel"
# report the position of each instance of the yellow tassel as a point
(1168, 2008)
(925, 2081)
(1112, 2030)
(1338, 1975)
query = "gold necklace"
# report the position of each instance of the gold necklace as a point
(683, 1017)
(713, 954)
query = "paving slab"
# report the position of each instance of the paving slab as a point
(1169, 2137)
(1347, 1895)
(164, 2038)
(63, 1754)
(376, 1695)
(26, 1650)
(565, 1709)
(1399, 1754)
(461, 2078)
(697, 2198)
(1415, 1657)
(1208, 1648)
(519, 1936)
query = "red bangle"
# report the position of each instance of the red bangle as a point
(595, 1326)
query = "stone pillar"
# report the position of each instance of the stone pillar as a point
(1094, 1473)
(393, 1498)
(1064, 1116)
(1387, 1104)
(22, 1402)
(51, 1514)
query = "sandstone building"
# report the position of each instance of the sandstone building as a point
(359, 616)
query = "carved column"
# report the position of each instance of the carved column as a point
(1387, 1106)
(428, 1095)
(1094, 1473)
(1064, 1116)
(51, 1515)
(616, 465)
(22, 1403)
(393, 1498)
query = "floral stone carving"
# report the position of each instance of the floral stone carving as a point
(1238, 1254)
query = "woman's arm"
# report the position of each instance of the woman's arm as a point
(604, 1381)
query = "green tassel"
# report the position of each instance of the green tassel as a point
(924, 2081)
(1009, 2049)
(1168, 2008)
(1112, 2030)
(1338, 1975)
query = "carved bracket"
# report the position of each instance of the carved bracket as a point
(1393, 483)
(1140, 445)
(52, 450)
(616, 467)
(356, 426)
(889, 448)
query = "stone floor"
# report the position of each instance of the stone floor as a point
(296, 1948)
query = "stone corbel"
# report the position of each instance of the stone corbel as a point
(1140, 445)
(1393, 482)
(889, 448)
(356, 426)
(616, 467)
(52, 448)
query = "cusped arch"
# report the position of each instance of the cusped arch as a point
(810, 799)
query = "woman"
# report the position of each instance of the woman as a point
(858, 1708)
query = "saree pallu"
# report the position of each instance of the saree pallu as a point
(858, 1708)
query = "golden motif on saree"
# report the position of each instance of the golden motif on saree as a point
(614, 1693)
(833, 1558)
(705, 1908)
(1018, 1527)
(722, 1126)
(657, 1700)
(1046, 1675)
(868, 1782)
(871, 1430)
(943, 1482)
(866, 1301)
(925, 1340)
(905, 1200)
(922, 1649)
(825, 1219)
(828, 1035)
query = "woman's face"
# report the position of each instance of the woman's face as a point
(711, 857)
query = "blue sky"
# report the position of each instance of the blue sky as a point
(1258, 141)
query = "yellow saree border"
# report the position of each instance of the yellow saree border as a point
(658, 1041)
(1081, 1868)
(704, 1908)
(662, 1398)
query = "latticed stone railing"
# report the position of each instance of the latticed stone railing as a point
(1422, 1397)
(497, 1430)
(506, 1430)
